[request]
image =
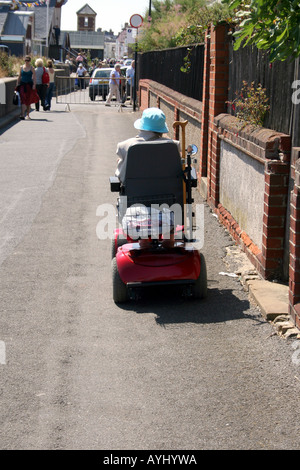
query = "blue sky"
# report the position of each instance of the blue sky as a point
(111, 14)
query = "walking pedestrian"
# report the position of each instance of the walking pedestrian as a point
(41, 88)
(80, 73)
(114, 84)
(50, 88)
(130, 80)
(26, 85)
(79, 59)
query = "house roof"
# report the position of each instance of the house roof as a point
(40, 15)
(86, 10)
(86, 39)
(16, 23)
(4, 9)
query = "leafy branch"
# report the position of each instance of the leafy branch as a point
(251, 105)
(272, 25)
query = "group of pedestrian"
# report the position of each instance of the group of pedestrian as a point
(115, 80)
(31, 86)
(33, 89)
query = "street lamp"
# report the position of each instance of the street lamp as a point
(136, 22)
(149, 15)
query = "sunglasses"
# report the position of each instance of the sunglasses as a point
(27, 60)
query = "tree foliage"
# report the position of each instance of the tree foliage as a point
(197, 22)
(272, 25)
(179, 23)
(9, 65)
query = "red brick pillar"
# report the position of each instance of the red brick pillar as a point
(218, 95)
(205, 108)
(294, 267)
(274, 221)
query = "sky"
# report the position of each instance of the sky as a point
(111, 14)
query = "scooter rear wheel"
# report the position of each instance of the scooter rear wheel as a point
(200, 286)
(120, 294)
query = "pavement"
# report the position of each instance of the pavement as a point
(270, 297)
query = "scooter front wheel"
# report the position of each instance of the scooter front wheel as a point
(120, 294)
(115, 244)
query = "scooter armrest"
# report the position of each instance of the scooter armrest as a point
(115, 184)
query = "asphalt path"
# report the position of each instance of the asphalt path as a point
(79, 372)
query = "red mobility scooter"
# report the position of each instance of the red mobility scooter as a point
(144, 252)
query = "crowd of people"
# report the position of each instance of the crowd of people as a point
(33, 89)
(80, 66)
(81, 58)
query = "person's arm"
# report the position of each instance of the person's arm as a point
(47, 69)
(121, 153)
(114, 78)
(19, 77)
(33, 78)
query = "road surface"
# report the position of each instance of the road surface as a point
(78, 371)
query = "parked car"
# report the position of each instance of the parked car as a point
(127, 62)
(4, 49)
(99, 83)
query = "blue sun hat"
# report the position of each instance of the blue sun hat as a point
(153, 119)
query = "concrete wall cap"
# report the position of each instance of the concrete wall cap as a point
(260, 135)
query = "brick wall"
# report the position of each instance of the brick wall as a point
(214, 102)
(294, 262)
(272, 150)
(177, 107)
(205, 109)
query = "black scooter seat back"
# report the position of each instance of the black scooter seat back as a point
(154, 174)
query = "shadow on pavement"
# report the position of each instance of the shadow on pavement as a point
(171, 307)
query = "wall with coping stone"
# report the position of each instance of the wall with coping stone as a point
(264, 153)
(260, 163)
(244, 203)
(10, 85)
(294, 240)
(177, 107)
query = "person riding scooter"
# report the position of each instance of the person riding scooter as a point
(152, 125)
(153, 244)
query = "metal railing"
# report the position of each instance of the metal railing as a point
(73, 90)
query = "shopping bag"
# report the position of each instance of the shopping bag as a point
(16, 98)
(45, 77)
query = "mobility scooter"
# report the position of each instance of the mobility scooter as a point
(152, 247)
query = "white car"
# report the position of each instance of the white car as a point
(99, 83)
